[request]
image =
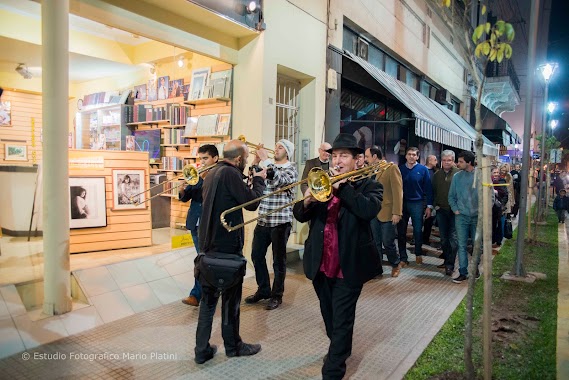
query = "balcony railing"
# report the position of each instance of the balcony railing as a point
(503, 69)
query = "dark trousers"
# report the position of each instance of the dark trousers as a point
(427, 228)
(560, 215)
(497, 231)
(338, 307)
(197, 289)
(230, 311)
(262, 238)
(415, 211)
(449, 240)
(384, 237)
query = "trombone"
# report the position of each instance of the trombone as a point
(320, 187)
(190, 174)
(242, 138)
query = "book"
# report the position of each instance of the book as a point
(219, 87)
(191, 126)
(207, 125)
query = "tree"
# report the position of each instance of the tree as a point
(478, 46)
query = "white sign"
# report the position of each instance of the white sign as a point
(556, 155)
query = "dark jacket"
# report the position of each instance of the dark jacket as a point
(309, 164)
(193, 193)
(561, 203)
(360, 203)
(230, 191)
(441, 186)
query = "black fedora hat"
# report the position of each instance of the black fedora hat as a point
(346, 141)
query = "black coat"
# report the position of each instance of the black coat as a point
(360, 203)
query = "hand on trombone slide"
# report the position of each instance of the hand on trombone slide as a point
(261, 154)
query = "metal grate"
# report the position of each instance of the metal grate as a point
(287, 107)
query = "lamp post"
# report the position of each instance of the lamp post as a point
(547, 71)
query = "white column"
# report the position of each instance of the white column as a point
(55, 88)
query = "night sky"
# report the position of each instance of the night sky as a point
(558, 51)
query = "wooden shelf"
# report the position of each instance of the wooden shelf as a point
(179, 99)
(174, 126)
(221, 137)
(110, 125)
(170, 171)
(200, 102)
(177, 146)
(150, 122)
(155, 163)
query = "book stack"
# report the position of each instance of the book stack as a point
(174, 163)
(174, 136)
(177, 114)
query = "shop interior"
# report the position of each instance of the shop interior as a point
(138, 111)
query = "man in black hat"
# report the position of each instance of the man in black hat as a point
(340, 260)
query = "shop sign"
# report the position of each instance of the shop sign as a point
(181, 241)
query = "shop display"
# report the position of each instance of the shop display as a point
(176, 88)
(128, 189)
(140, 92)
(15, 152)
(103, 128)
(148, 140)
(87, 202)
(207, 125)
(223, 124)
(198, 83)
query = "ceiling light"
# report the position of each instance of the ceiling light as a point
(252, 7)
(181, 62)
(23, 71)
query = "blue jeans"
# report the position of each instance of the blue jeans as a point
(384, 237)
(447, 230)
(413, 210)
(465, 228)
(197, 289)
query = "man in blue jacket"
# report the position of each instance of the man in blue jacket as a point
(463, 201)
(417, 188)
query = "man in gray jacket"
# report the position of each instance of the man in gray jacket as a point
(463, 201)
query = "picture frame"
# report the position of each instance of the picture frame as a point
(199, 81)
(176, 88)
(13, 152)
(163, 85)
(88, 204)
(151, 90)
(5, 114)
(129, 186)
(140, 92)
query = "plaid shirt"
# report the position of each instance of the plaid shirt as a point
(285, 174)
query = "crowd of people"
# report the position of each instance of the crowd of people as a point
(349, 232)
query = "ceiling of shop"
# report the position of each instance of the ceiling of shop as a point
(81, 67)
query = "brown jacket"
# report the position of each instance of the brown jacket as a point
(392, 193)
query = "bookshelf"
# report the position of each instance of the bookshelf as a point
(102, 128)
(201, 102)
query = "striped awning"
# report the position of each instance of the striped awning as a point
(431, 121)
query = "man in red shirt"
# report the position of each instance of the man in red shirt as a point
(340, 260)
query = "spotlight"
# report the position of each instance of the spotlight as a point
(23, 71)
(252, 7)
(181, 62)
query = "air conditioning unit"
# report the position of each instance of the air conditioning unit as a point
(443, 96)
(363, 47)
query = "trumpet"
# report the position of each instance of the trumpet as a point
(319, 184)
(190, 174)
(253, 146)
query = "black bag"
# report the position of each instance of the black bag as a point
(508, 229)
(219, 270)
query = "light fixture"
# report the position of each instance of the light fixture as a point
(23, 71)
(252, 7)
(181, 61)
(547, 70)
(553, 123)
(551, 106)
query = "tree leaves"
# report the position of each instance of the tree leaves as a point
(496, 46)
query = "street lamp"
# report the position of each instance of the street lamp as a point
(553, 123)
(546, 71)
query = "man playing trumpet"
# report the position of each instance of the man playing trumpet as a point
(339, 253)
(274, 228)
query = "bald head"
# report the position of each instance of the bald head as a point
(235, 152)
(431, 161)
(322, 152)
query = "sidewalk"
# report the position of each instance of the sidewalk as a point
(396, 319)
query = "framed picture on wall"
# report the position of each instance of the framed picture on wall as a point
(140, 92)
(176, 88)
(88, 205)
(128, 189)
(14, 152)
(163, 85)
(5, 114)
(198, 83)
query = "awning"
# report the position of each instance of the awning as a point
(489, 148)
(432, 121)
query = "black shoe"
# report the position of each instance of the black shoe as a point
(449, 272)
(256, 298)
(213, 350)
(245, 349)
(460, 279)
(274, 303)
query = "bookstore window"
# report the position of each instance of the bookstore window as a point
(391, 67)
(376, 57)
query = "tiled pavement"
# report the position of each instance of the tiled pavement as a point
(396, 319)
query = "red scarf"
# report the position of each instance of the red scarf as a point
(330, 264)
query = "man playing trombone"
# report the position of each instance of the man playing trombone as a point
(224, 188)
(208, 155)
(339, 253)
(274, 228)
